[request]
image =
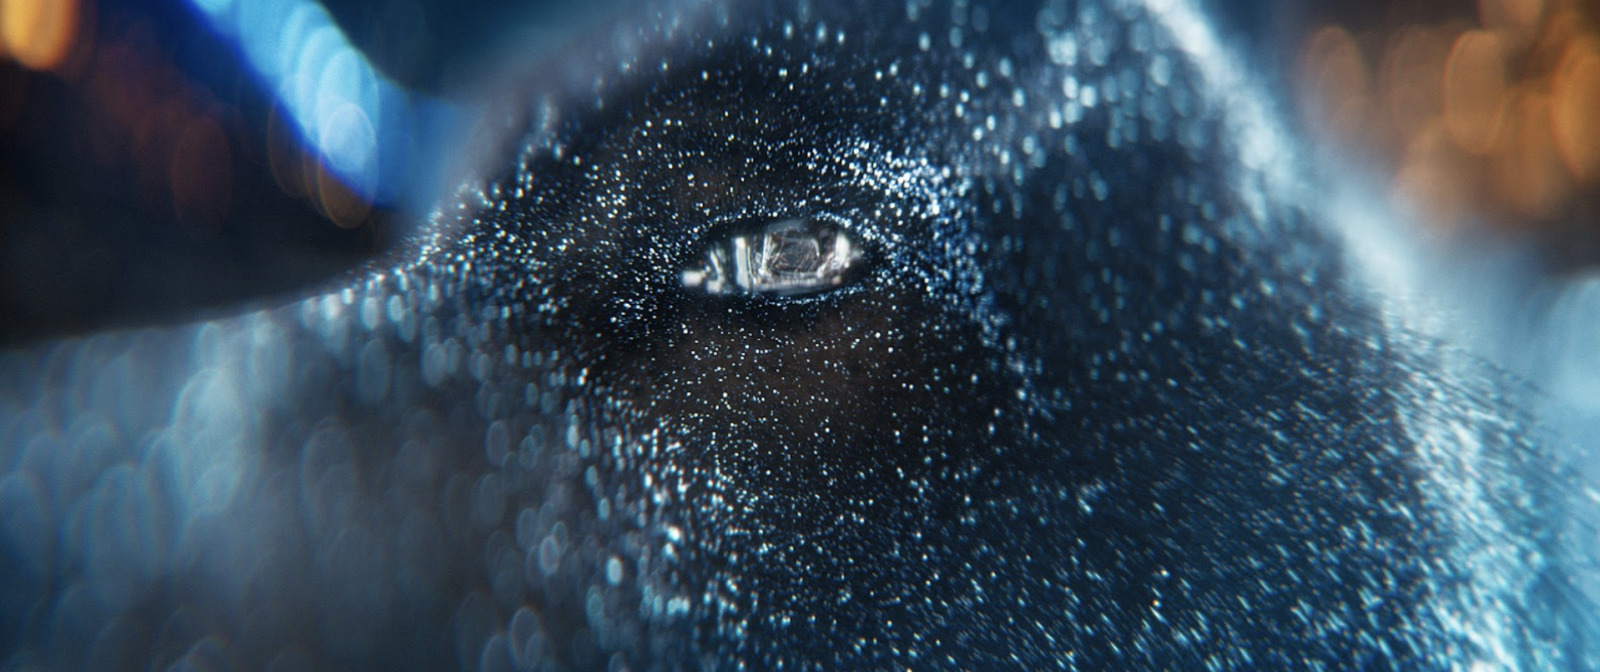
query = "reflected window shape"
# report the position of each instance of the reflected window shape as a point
(785, 258)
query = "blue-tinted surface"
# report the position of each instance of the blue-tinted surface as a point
(1115, 391)
(381, 139)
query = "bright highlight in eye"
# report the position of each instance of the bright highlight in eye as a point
(788, 257)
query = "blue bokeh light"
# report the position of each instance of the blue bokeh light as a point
(372, 133)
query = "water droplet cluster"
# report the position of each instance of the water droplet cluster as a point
(1094, 401)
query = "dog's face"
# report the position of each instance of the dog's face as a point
(905, 336)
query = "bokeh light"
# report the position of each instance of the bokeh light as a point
(1576, 104)
(1475, 90)
(1491, 115)
(1338, 80)
(343, 136)
(38, 33)
(354, 119)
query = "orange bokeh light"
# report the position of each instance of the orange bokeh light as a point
(1336, 75)
(38, 33)
(1475, 90)
(346, 208)
(1499, 120)
(1518, 15)
(1575, 109)
(1413, 73)
(1526, 173)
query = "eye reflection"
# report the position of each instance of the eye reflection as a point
(786, 258)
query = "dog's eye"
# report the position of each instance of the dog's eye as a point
(788, 257)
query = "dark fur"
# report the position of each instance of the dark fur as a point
(1094, 405)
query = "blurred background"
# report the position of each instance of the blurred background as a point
(1481, 115)
(162, 158)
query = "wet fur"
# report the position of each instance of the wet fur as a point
(1097, 403)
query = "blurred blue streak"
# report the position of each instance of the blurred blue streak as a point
(379, 138)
